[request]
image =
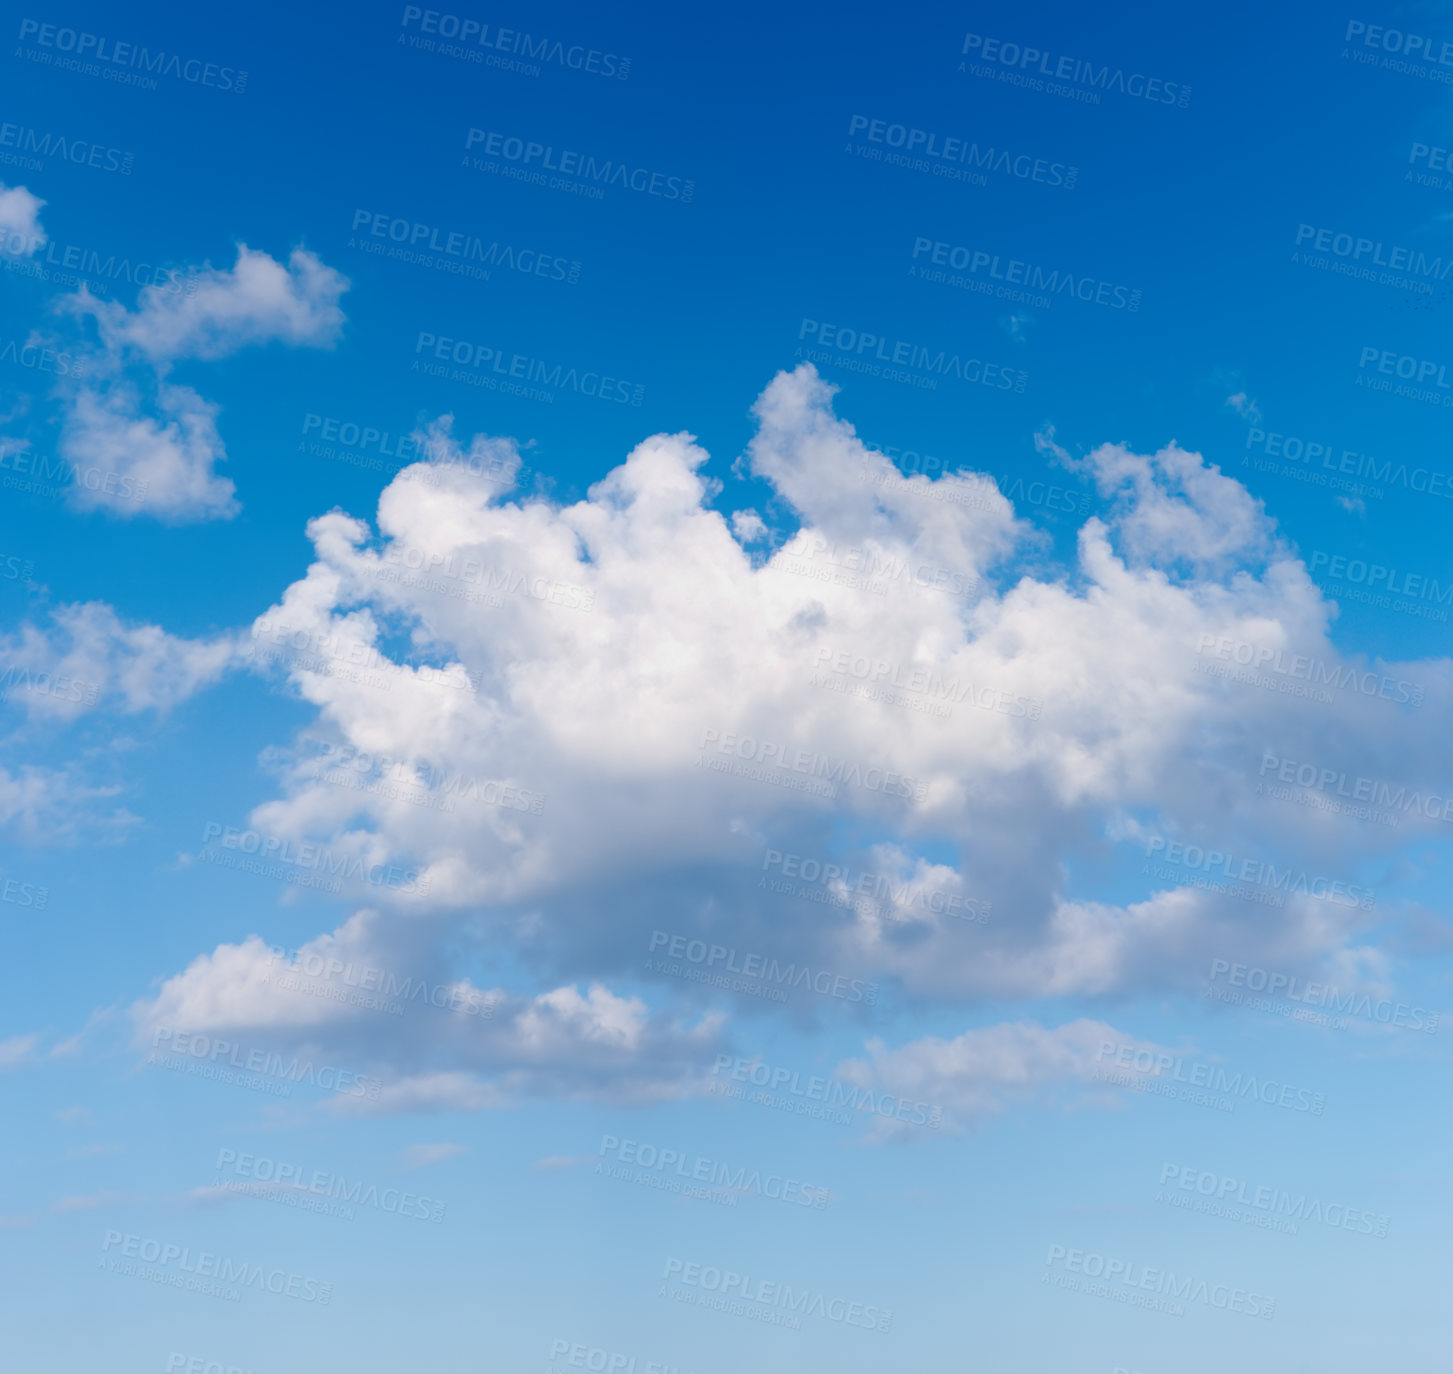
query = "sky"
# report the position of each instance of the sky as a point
(696, 691)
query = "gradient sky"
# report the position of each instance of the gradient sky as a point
(553, 696)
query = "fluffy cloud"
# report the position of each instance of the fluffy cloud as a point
(141, 445)
(564, 1043)
(625, 660)
(1174, 508)
(438, 1043)
(593, 725)
(256, 301)
(748, 526)
(84, 661)
(982, 1071)
(20, 230)
(132, 463)
(87, 654)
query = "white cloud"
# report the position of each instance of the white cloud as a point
(42, 805)
(87, 655)
(1175, 508)
(438, 1091)
(20, 229)
(219, 311)
(144, 446)
(748, 526)
(131, 463)
(612, 645)
(85, 661)
(604, 711)
(562, 1042)
(982, 1071)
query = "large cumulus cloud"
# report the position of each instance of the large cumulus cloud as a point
(628, 711)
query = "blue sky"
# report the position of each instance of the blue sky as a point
(672, 684)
